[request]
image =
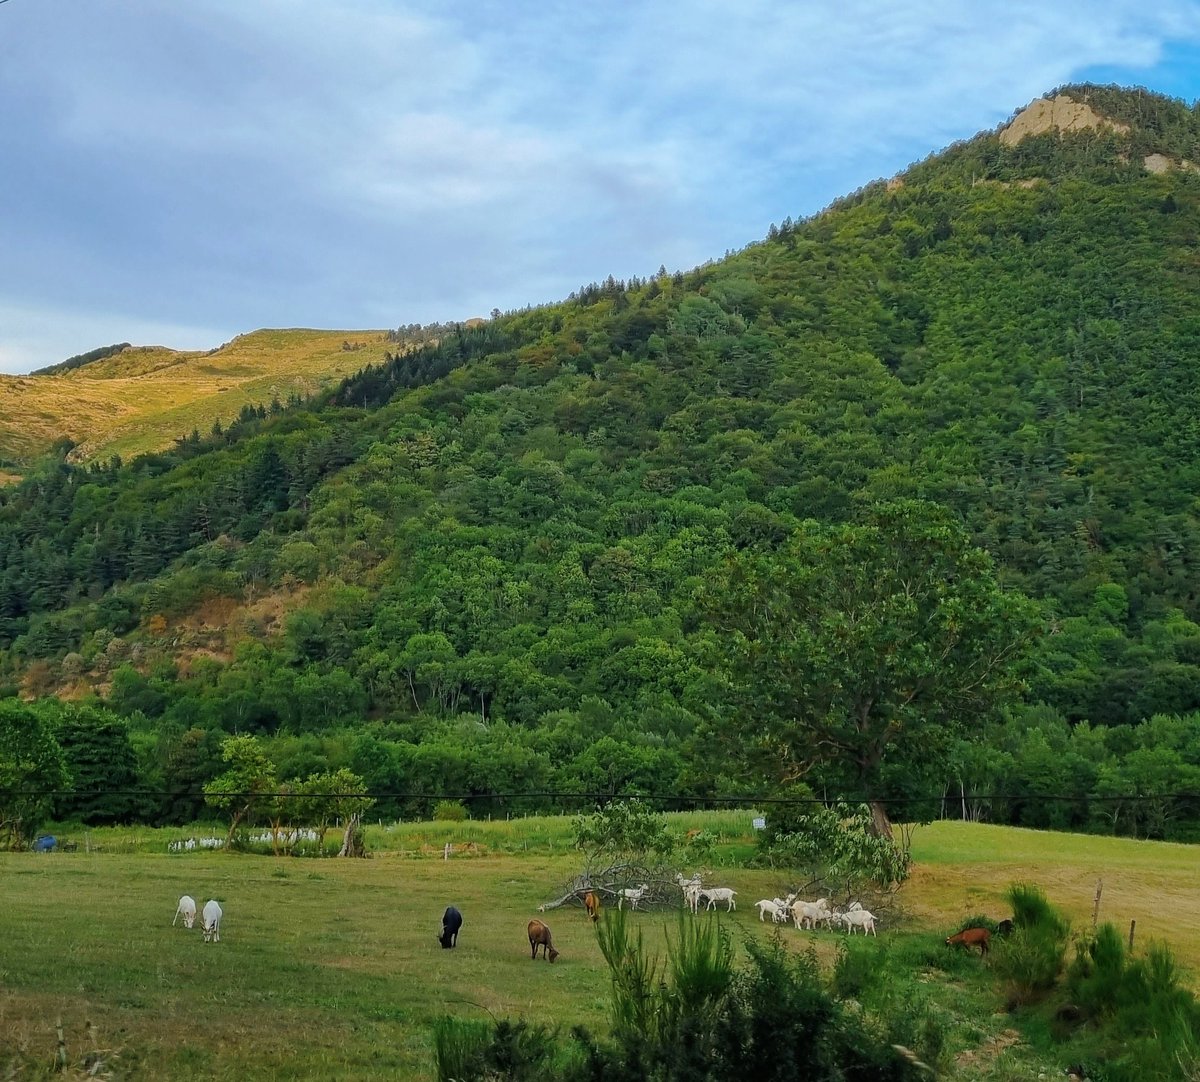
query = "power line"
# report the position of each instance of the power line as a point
(746, 799)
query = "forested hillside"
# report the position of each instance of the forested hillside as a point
(482, 565)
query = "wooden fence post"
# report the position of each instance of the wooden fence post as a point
(1096, 904)
(1132, 925)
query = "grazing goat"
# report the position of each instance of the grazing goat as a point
(691, 890)
(210, 921)
(859, 918)
(539, 936)
(185, 909)
(1004, 928)
(632, 895)
(806, 914)
(971, 937)
(773, 906)
(719, 894)
(592, 904)
(451, 923)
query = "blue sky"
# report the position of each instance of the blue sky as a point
(177, 173)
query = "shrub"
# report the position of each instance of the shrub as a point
(856, 972)
(449, 811)
(1031, 959)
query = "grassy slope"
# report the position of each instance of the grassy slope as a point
(142, 399)
(330, 968)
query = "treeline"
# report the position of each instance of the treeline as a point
(80, 359)
(1031, 769)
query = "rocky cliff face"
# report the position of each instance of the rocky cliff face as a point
(1060, 113)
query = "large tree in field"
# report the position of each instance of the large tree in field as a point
(861, 646)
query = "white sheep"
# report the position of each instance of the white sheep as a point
(719, 894)
(633, 895)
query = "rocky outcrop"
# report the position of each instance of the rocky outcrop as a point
(1061, 114)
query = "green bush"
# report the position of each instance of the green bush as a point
(459, 1046)
(449, 811)
(1030, 960)
(857, 971)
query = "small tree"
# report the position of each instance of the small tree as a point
(330, 796)
(624, 843)
(32, 766)
(246, 786)
(838, 850)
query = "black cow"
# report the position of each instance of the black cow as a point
(451, 922)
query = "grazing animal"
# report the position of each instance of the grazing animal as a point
(719, 894)
(859, 918)
(806, 914)
(1004, 928)
(539, 936)
(772, 906)
(451, 922)
(971, 937)
(632, 895)
(592, 904)
(691, 890)
(210, 921)
(186, 909)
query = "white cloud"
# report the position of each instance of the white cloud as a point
(282, 163)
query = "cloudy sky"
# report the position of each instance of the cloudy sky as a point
(178, 171)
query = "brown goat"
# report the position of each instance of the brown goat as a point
(972, 937)
(592, 904)
(539, 936)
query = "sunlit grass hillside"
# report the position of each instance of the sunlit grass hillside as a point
(143, 398)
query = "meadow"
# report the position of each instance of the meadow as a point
(330, 968)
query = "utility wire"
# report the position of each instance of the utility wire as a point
(681, 798)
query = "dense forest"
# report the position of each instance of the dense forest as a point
(486, 567)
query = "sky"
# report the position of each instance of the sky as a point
(176, 173)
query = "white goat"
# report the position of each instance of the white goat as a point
(689, 887)
(633, 895)
(859, 918)
(210, 921)
(719, 894)
(806, 914)
(185, 909)
(691, 896)
(772, 906)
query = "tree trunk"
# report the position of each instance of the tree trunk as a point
(881, 825)
(352, 843)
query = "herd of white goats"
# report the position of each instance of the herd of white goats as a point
(210, 917)
(803, 914)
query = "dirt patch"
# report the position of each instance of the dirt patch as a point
(1061, 114)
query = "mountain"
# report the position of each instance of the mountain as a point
(127, 400)
(473, 566)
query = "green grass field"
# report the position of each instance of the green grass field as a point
(331, 969)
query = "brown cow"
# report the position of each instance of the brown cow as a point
(592, 904)
(539, 936)
(972, 937)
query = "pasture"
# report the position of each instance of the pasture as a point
(331, 968)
